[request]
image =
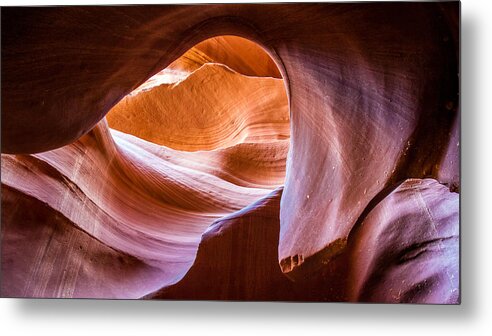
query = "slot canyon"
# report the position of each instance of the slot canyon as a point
(261, 152)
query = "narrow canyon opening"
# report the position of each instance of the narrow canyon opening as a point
(201, 140)
(222, 106)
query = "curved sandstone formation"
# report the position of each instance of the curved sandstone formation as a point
(214, 107)
(111, 197)
(44, 254)
(239, 54)
(412, 234)
(369, 209)
(134, 197)
(237, 259)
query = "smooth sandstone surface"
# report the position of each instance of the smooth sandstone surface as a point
(46, 255)
(239, 54)
(372, 100)
(412, 234)
(237, 259)
(133, 197)
(113, 197)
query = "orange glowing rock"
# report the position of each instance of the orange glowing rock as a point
(214, 107)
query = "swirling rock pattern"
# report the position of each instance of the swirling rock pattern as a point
(368, 211)
(140, 199)
(212, 108)
(239, 54)
(145, 203)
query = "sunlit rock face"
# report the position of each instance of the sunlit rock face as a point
(214, 107)
(320, 164)
(241, 55)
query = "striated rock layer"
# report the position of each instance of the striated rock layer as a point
(214, 107)
(113, 197)
(369, 209)
(139, 200)
(239, 54)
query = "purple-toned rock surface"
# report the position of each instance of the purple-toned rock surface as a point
(407, 248)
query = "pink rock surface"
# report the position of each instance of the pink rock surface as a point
(237, 259)
(46, 255)
(407, 248)
(125, 193)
